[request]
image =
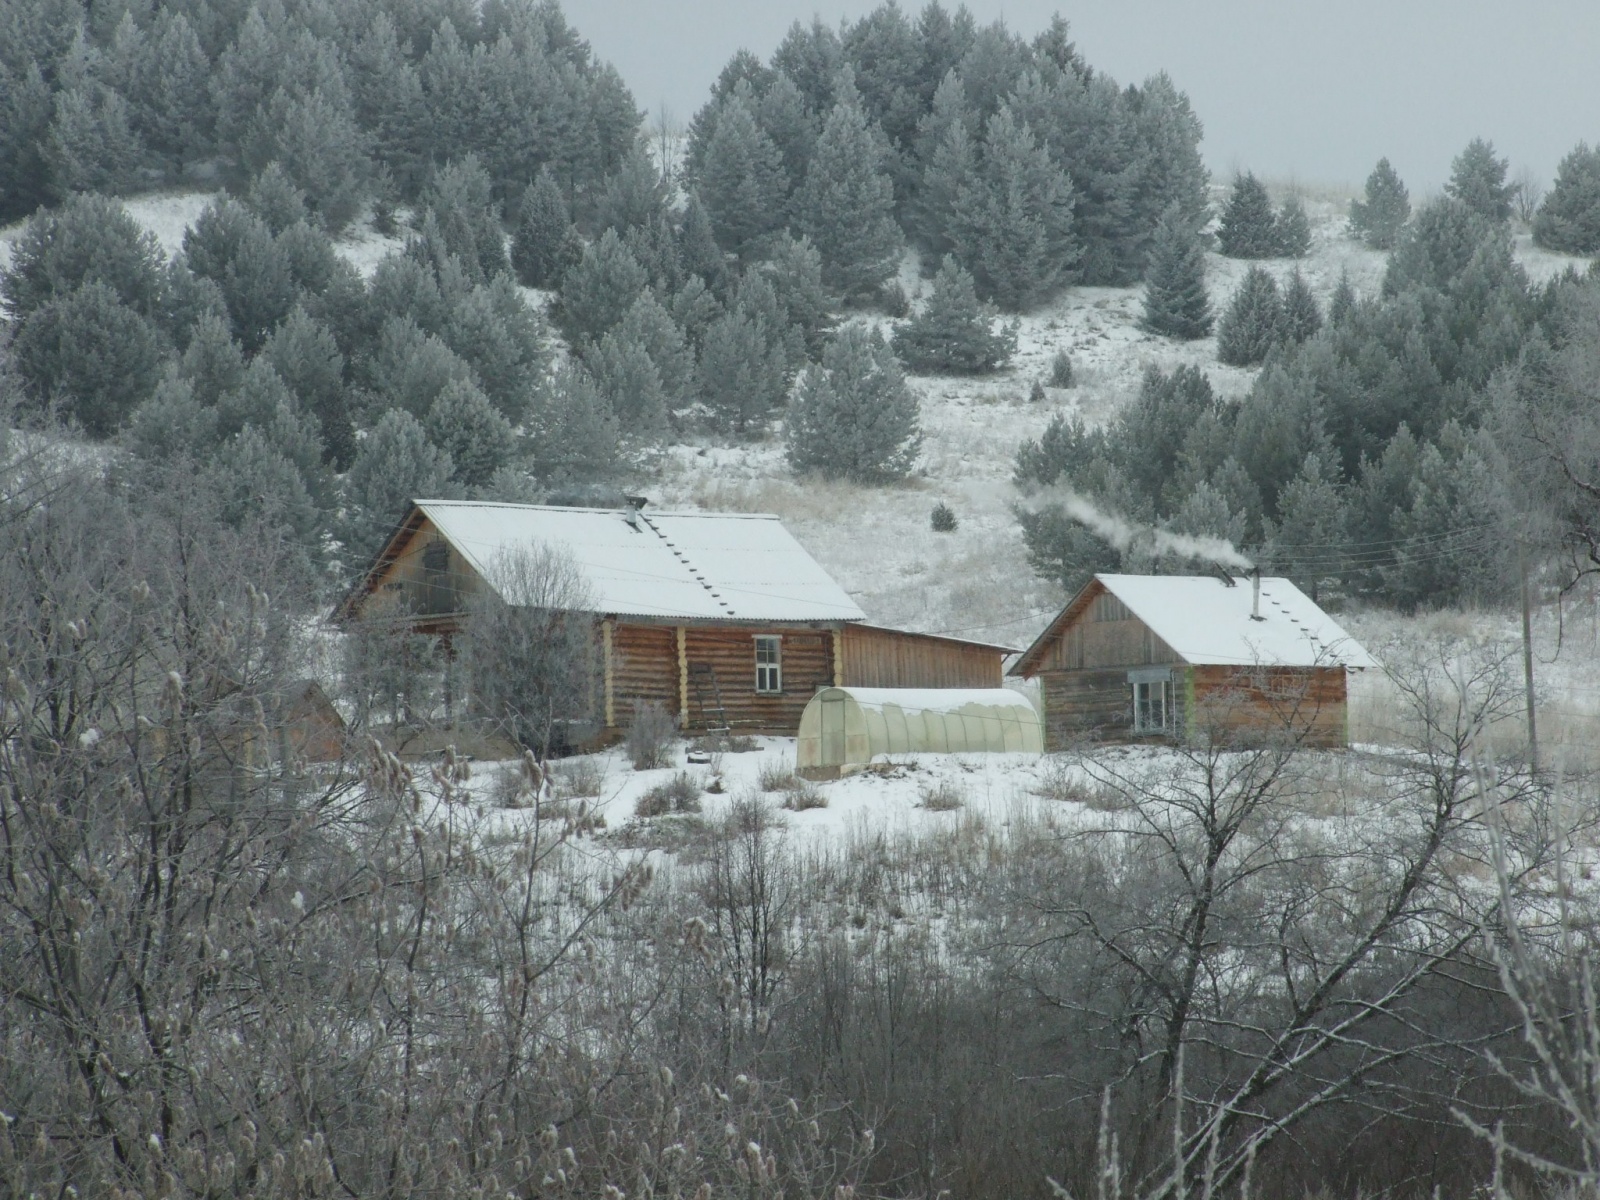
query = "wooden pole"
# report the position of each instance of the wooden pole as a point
(611, 708)
(1527, 654)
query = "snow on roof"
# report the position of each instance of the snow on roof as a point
(1206, 622)
(692, 566)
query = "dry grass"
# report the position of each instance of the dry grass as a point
(680, 794)
(944, 796)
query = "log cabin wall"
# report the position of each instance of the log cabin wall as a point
(644, 668)
(1084, 704)
(427, 580)
(729, 653)
(1306, 704)
(873, 657)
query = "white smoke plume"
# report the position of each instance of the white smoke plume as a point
(1138, 538)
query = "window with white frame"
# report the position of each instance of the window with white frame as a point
(769, 664)
(1152, 705)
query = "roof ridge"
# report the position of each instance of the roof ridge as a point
(697, 575)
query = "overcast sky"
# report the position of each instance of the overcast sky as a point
(1289, 89)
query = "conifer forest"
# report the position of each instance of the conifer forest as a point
(977, 321)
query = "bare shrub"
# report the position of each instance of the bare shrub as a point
(804, 795)
(650, 736)
(776, 776)
(680, 794)
(580, 776)
(1058, 780)
(944, 796)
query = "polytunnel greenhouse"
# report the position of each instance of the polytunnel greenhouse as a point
(847, 727)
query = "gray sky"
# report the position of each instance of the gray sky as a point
(1288, 89)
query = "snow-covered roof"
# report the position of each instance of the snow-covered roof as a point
(937, 700)
(686, 565)
(1207, 622)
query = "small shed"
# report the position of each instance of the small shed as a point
(845, 727)
(1178, 657)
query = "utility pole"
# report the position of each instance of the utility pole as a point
(1527, 653)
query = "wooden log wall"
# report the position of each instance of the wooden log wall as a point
(807, 661)
(1096, 705)
(893, 658)
(1112, 642)
(1305, 704)
(644, 667)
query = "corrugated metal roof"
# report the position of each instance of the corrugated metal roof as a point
(1206, 622)
(691, 566)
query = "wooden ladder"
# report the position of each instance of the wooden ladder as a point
(700, 676)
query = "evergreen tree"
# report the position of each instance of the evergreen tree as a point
(695, 310)
(460, 195)
(795, 272)
(173, 424)
(92, 355)
(410, 367)
(1175, 302)
(1305, 542)
(212, 364)
(1248, 229)
(782, 114)
(599, 290)
(627, 377)
(316, 139)
(502, 339)
(954, 332)
(1569, 218)
(1013, 219)
(846, 205)
(573, 432)
(698, 252)
(91, 145)
(274, 198)
(853, 417)
(655, 248)
(635, 195)
(544, 245)
(1150, 435)
(1478, 180)
(1168, 168)
(256, 483)
(1378, 219)
(89, 239)
(233, 248)
(26, 109)
(395, 465)
(651, 326)
(1456, 505)
(741, 182)
(948, 158)
(304, 355)
(389, 103)
(1343, 301)
(1206, 512)
(757, 301)
(1253, 324)
(1301, 316)
(478, 440)
(168, 92)
(1294, 229)
(743, 372)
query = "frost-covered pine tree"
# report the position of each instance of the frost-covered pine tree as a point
(467, 427)
(629, 380)
(1249, 228)
(1343, 301)
(305, 356)
(599, 289)
(741, 181)
(461, 196)
(795, 272)
(409, 367)
(698, 252)
(544, 245)
(853, 417)
(1569, 218)
(1312, 524)
(1013, 218)
(1478, 180)
(954, 332)
(650, 325)
(1253, 323)
(573, 434)
(743, 372)
(948, 157)
(846, 204)
(1378, 218)
(1175, 301)
(1294, 229)
(1302, 318)
(395, 465)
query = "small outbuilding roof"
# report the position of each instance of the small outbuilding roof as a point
(1207, 620)
(684, 565)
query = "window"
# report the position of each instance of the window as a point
(769, 664)
(1152, 706)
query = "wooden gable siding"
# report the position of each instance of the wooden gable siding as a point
(425, 579)
(873, 657)
(1103, 633)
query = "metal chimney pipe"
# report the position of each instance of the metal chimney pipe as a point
(1255, 595)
